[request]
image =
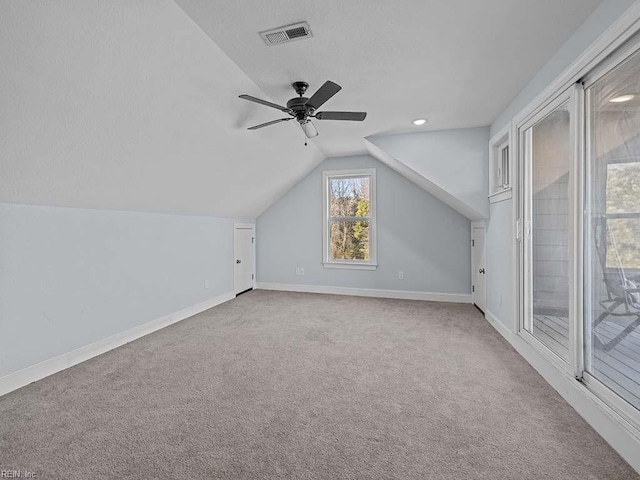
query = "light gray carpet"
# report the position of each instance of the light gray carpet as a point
(286, 385)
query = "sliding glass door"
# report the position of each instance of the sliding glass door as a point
(547, 153)
(612, 230)
(578, 229)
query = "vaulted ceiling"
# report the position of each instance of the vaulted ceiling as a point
(457, 63)
(133, 105)
(128, 105)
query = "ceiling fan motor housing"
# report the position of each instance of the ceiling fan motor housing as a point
(299, 108)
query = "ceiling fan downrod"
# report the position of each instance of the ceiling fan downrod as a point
(300, 87)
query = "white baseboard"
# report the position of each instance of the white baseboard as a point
(30, 374)
(499, 326)
(612, 427)
(368, 292)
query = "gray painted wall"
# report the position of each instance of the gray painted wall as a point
(70, 277)
(501, 289)
(500, 231)
(601, 18)
(417, 234)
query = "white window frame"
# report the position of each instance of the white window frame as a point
(500, 188)
(370, 264)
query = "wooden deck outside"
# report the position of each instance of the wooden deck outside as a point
(619, 368)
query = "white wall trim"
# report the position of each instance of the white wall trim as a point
(368, 292)
(350, 265)
(610, 425)
(43, 369)
(500, 196)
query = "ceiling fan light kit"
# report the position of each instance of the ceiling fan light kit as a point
(303, 109)
(309, 129)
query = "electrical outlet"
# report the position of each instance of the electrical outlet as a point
(206, 284)
(301, 271)
(400, 275)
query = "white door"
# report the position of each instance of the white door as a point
(548, 167)
(478, 273)
(244, 259)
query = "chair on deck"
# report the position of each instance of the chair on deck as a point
(623, 295)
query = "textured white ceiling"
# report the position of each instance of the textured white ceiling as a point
(457, 62)
(129, 105)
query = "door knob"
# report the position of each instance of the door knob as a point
(238, 261)
(481, 270)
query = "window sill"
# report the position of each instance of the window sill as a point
(500, 195)
(351, 266)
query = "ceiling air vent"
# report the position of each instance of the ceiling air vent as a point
(289, 33)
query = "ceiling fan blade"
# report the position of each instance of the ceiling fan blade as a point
(354, 116)
(309, 129)
(324, 93)
(264, 102)
(272, 122)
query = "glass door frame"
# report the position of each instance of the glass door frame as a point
(596, 402)
(580, 140)
(573, 98)
(621, 407)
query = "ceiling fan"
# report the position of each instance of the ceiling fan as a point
(303, 109)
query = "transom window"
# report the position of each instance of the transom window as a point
(349, 219)
(503, 169)
(500, 166)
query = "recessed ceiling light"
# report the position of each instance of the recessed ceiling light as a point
(622, 98)
(419, 121)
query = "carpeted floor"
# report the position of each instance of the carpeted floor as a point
(286, 385)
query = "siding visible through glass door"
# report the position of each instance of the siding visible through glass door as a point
(549, 156)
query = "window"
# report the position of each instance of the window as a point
(622, 192)
(349, 217)
(500, 167)
(503, 170)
